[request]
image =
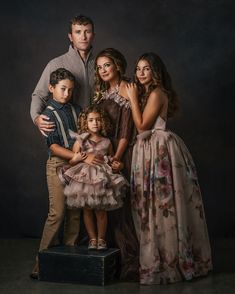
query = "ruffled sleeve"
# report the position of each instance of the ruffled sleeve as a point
(80, 138)
(126, 124)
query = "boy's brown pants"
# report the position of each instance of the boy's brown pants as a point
(58, 210)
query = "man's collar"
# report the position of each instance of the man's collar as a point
(74, 51)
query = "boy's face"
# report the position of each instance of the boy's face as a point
(62, 91)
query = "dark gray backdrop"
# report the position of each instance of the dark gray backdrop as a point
(195, 38)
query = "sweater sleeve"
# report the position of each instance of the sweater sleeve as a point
(41, 93)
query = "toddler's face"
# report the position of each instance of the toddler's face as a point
(62, 91)
(94, 122)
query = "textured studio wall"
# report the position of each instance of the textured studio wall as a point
(195, 38)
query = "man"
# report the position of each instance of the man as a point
(78, 60)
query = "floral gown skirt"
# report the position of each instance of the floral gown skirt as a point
(168, 211)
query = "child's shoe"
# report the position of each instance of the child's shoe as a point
(92, 244)
(102, 244)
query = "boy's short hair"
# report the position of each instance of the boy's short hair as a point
(59, 75)
(81, 20)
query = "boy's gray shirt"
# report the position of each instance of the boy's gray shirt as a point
(83, 72)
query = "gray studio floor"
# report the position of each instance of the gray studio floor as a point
(16, 261)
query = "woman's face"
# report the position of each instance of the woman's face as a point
(144, 73)
(106, 69)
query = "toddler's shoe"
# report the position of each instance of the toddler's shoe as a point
(92, 244)
(102, 244)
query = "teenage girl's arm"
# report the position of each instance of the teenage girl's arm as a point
(144, 121)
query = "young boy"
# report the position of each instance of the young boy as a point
(64, 116)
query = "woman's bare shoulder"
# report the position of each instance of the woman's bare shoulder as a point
(122, 89)
(157, 93)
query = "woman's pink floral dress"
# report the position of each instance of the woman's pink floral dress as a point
(167, 209)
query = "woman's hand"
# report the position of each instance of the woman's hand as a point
(116, 165)
(132, 91)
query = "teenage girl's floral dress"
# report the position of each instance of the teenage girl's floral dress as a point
(167, 209)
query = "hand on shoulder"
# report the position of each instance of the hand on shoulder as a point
(43, 124)
(123, 89)
(132, 91)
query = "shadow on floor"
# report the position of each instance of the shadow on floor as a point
(16, 262)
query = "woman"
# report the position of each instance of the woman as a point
(166, 200)
(110, 87)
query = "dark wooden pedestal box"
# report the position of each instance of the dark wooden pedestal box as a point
(78, 265)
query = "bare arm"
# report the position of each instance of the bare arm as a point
(62, 152)
(89, 158)
(115, 164)
(110, 150)
(122, 144)
(77, 155)
(76, 147)
(65, 153)
(144, 121)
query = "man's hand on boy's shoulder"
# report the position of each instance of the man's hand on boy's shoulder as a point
(43, 124)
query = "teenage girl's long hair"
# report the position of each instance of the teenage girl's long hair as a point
(161, 79)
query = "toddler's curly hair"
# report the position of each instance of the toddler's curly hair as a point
(105, 122)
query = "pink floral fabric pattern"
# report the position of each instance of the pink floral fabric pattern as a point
(167, 209)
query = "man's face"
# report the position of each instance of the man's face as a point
(81, 36)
